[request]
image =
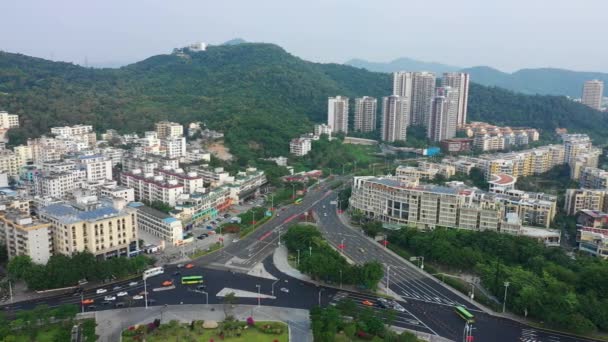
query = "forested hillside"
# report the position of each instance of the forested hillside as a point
(258, 94)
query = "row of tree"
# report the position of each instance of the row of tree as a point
(545, 283)
(62, 270)
(322, 262)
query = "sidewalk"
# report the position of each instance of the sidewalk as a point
(110, 323)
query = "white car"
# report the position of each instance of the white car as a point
(284, 289)
(109, 298)
(133, 283)
(325, 214)
(235, 240)
(122, 294)
(138, 297)
(100, 291)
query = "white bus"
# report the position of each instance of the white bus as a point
(153, 272)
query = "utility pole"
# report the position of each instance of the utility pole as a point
(504, 302)
(272, 287)
(320, 290)
(145, 292)
(298, 257)
(309, 250)
(10, 290)
(388, 278)
(259, 295)
(340, 278)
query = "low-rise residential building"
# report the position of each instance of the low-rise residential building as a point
(58, 184)
(593, 178)
(96, 166)
(487, 137)
(191, 181)
(300, 146)
(151, 188)
(173, 147)
(158, 224)
(501, 183)
(456, 145)
(215, 177)
(426, 171)
(592, 218)
(166, 129)
(113, 190)
(10, 163)
(576, 200)
(24, 235)
(113, 154)
(147, 163)
(102, 226)
(203, 206)
(321, 129)
(8, 121)
(428, 206)
(593, 241)
(197, 156)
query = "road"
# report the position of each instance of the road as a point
(428, 305)
(427, 300)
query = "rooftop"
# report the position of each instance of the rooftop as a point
(70, 214)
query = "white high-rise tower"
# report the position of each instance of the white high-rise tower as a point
(460, 82)
(337, 114)
(395, 117)
(365, 114)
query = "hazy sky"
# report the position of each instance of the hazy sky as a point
(506, 34)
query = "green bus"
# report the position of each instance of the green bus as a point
(190, 280)
(464, 314)
(298, 201)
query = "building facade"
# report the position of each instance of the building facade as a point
(337, 114)
(395, 118)
(24, 235)
(593, 93)
(365, 114)
(300, 146)
(460, 82)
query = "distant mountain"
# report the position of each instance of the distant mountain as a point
(546, 81)
(400, 64)
(235, 41)
(259, 95)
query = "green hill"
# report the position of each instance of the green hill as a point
(258, 94)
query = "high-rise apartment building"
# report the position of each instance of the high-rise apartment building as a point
(395, 117)
(443, 116)
(337, 114)
(402, 84)
(166, 129)
(365, 114)
(592, 94)
(423, 91)
(460, 82)
(581, 199)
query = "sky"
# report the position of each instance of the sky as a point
(507, 35)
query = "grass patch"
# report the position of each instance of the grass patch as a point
(53, 332)
(175, 331)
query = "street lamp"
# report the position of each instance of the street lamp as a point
(340, 278)
(320, 290)
(293, 188)
(504, 302)
(145, 292)
(309, 250)
(388, 279)
(259, 294)
(472, 291)
(206, 296)
(272, 287)
(298, 257)
(418, 258)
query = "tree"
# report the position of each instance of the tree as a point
(372, 228)
(229, 300)
(19, 266)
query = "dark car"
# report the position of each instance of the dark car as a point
(201, 237)
(205, 235)
(119, 305)
(226, 215)
(201, 287)
(105, 302)
(91, 307)
(151, 301)
(177, 273)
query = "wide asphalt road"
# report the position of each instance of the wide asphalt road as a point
(427, 299)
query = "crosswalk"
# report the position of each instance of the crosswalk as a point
(531, 335)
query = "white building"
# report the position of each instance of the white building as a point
(195, 156)
(300, 146)
(166, 129)
(443, 115)
(395, 118)
(113, 190)
(24, 235)
(97, 167)
(592, 94)
(8, 121)
(71, 130)
(158, 224)
(321, 129)
(151, 188)
(191, 181)
(423, 91)
(337, 114)
(460, 82)
(365, 114)
(173, 147)
(58, 184)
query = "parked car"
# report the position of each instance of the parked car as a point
(122, 294)
(180, 265)
(100, 291)
(109, 298)
(119, 305)
(116, 288)
(91, 307)
(201, 237)
(138, 297)
(88, 301)
(133, 283)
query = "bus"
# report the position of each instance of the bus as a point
(189, 280)
(464, 314)
(151, 272)
(298, 201)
